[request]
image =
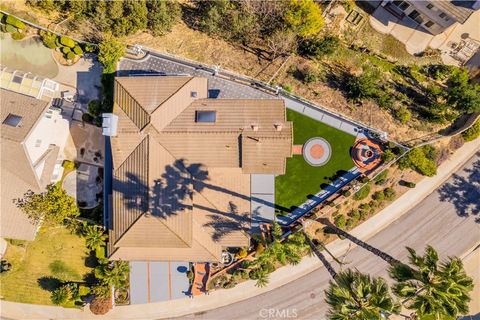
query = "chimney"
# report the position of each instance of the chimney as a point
(254, 127)
(278, 126)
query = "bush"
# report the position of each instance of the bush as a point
(438, 71)
(66, 50)
(379, 196)
(422, 160)
(362, 193)
(68, 165)
(18, 36)
(403, 114)
(242, 253)
(409, 184)
(365, 86)
(389, 193)
(380, 179)
(70, 56)
(318, 48)
(101, 306)
(3, 28)
(78, 50)
(346, 193)
(472, 133)
(11, 20)
(10, 29)
(67, 42)
(310, 76)
(48, 39)
(57, 42)
(110, 51)
(94, 108)
(340, 221)
(60, 295)
(260, 248)
(89, 48)
(288, 87)
(87, 117)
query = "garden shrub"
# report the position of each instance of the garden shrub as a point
(438, 71)
(94, 108)
(340, 221)
(389, 193)
(260, 248)
(67, 42)
(242, 253)
(18, 36)
(89, 48)
(11, 20)
(362, 193)
(66, 50)
(78, 50)
(403, 114)
(365, 207)
(319, 47)
(473, 132)
(346, 193)
(422, 160)
(48, 39)
(355, 214)
(58, 44)
(68, 165)
(350, 223)
(288, 87)
(70, 55)
(379, 196)
(3, 28)
(61, 295)
(1, 17)
(10, 29)
(87, 117)
(410, 184)
(310, 76)
(381, 178)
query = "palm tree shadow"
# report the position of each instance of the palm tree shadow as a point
(464, 192)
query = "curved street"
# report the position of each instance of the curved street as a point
(448, 219)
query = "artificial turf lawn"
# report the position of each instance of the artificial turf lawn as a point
(301, 179)
(55, 255)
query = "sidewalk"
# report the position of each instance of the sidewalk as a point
(247, 289)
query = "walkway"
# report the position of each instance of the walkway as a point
(283, 290)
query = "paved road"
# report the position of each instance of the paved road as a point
(446, 219)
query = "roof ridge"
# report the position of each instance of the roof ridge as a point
(130, 154)
(133, 98)
(174, 93)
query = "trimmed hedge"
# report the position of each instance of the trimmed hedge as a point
(472, 133)
(362, 193)
(57, 42)
(11, 20)
(10, 28)
(67, 42)
(77, 50)
(66, 50)
(70, 55)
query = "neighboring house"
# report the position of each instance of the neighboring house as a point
(182, 165)
(450, 26)
(33, 136)
(434, 16)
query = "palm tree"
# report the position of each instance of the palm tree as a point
(94, 237)
(433, 288)
(385, 256)
(357, 296)
(114, 273)
(263, 279)
(61, 295)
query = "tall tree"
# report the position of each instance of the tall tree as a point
(433, 288)
(304, 17)
(162, 15)
(113, 273)
(135, 14)
(95, 236)
(357, 296)
(52, 206)
(111, 49)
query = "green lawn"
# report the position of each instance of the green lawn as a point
(39, 266)
(301, 179)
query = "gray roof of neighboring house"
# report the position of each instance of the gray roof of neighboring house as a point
(17, 172)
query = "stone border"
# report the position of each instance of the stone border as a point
(324, 158)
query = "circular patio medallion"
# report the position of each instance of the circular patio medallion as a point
(317, 151)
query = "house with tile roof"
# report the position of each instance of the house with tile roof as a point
(33, 135)
(182, 165)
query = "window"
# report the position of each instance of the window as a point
(429, 24)
(414, 14)
(205, 116)
(430, 6)
(17, 79)
(12, 120)
(442, 15)
(401, 4)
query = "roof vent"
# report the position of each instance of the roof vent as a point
(193, 94)
(255, 127)
(278, 126)
(109, 124)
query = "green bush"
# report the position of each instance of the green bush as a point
(68, 165)
(10, 29)
(78, 50)
(380, 179)
(87, 117)
(340, 221)
(388, 156)
(362, 193)
(472, 133)
(94, 108)
(422, 160)
(409, 184)
(288, 87)
(11, 20)
(319, 47)
(403, 114)
(66, 50)
(1, 17)
(48, 39)
(346, 193)
(61, 295)
(89, 48)
(67, 42)
(58, 44)
(70, 56)
(389, 193)
(18, 36)
(379, 196)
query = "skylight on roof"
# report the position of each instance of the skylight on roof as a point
(205, 116)
(12, 120)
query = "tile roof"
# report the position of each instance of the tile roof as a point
(181, 189)
(17, 172)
